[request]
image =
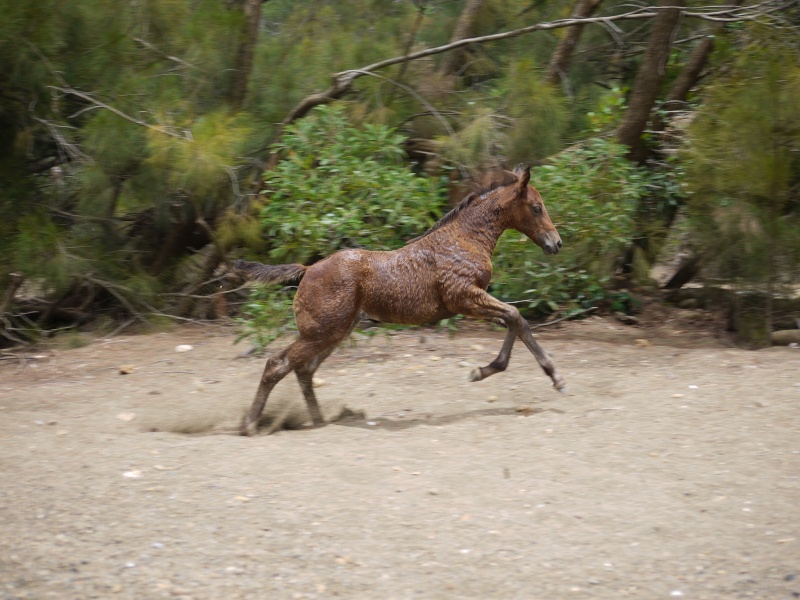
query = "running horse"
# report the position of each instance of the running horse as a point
(442, 273)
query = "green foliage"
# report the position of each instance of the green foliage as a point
(610, 108)
(591, 192)
(40, 252)
(743, 171)
(538, 112)
(265, 317)
(340, 186)
(129, 203)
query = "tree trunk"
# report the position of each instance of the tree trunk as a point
(559, 62)
(648, 81)
(690, 75)
(454, 62)
(687, 271)
(243, 63)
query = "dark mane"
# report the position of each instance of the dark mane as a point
(490, 182)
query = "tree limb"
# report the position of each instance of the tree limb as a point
(163, 54)
(119, 113)
(342, 81)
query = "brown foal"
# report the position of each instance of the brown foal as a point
(442, 273)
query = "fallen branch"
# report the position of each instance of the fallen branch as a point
(565, 318)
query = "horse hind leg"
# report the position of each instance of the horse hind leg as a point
(280, 364)
(305, 377)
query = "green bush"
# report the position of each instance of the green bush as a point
(591, 192)
(265, 316)
(339, 186)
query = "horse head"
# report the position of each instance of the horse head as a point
(528, 214)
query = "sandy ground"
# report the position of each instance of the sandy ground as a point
(672, 471)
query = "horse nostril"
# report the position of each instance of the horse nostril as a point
(558, 243)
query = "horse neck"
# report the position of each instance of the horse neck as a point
(486, 222)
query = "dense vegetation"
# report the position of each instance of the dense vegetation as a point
(142, 144)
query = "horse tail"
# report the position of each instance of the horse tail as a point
(254, 271)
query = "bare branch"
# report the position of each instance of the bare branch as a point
(163, 54)
(65, 149)
(419, 98)
(119, 113)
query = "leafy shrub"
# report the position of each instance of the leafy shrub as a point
(592, 192)
(265, 316)
(341, 186)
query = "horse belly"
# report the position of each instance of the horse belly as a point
(395, 306)
(402, 291)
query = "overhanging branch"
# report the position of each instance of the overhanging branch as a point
(343, 81)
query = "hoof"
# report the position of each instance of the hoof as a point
(249, 429)
(475, 375)
(563, 389)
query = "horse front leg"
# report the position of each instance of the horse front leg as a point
(478, 303)
(500, 363)
(541, 356)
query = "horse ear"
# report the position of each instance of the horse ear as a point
(523, 174)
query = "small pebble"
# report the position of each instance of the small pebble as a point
(184, 348)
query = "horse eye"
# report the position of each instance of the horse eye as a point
(537, 210)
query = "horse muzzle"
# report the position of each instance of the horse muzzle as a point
(550, 243)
